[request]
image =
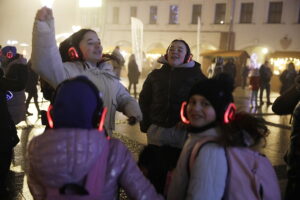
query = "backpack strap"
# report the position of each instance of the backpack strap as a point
(196, 149)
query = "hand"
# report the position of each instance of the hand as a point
(44, 14)
(132, 120)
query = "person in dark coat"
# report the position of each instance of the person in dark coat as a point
(265, 74)
(230, 68)
(287, 77)
(133, 74)
(8, 132)
(31, 89)
(163, 92)
(288, 103)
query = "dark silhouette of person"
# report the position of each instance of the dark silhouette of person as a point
(31, 89)
(288, 103)
(133, 74)
(265, 74)
(8, 137)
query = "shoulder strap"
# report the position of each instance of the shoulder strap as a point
(196, 149)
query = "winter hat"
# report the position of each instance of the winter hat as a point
(218, 91)
(76, 104)
(9, 51)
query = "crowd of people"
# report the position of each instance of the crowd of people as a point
(196, 138)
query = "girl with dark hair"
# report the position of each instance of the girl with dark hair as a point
(81, 54)
(210, 113)
(163, 92)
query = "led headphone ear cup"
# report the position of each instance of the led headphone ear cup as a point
(73, 54)
(9, 55)
(49, 117)
(229, 114)
(102, 119)
(183, 116)
(190, 58)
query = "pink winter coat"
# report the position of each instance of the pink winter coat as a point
(61, 156)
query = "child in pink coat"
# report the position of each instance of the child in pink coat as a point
(76, 157)
(254, 83)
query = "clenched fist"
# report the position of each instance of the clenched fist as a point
(44, 14)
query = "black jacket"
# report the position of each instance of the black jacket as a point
(16, 82)
(163, 92)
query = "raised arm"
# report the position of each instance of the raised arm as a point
(45, 57)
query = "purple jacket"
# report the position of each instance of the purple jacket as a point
(61, 156)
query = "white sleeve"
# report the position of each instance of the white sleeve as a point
(127, 104)
(45, 56)
(208, 176)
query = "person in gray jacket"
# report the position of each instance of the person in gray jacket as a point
(85, 59)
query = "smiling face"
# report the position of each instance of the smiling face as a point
(200, 112)
(176, 53)
(91, 48)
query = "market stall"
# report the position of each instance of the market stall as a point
(279, 61)
(240, 59)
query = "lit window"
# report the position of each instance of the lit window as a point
(173, 18)
(90, 3)
(153, 15)
(275, 12)
(116, 15)
(196, 13)
(246, 13)
(220, 13)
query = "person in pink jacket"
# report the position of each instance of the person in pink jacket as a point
(76, 156)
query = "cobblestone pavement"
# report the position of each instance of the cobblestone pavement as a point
(135, 140)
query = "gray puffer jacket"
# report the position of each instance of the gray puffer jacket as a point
(61, 156)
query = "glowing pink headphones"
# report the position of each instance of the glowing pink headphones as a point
(228, 117)
(98, 118)
(9, 55)
(73, 54)
(101, 122)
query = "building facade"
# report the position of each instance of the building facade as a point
(252, 25)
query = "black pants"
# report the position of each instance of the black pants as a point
(5, 161)
(292, 191)
(134, 88)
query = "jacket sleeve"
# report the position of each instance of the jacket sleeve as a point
(133, 181)
(145, 101)
(36, 189)
(285, 103)
(127, 104)
(208, 179)
(45, 56)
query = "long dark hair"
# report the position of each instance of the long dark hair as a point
(73, 41)
(245, 130)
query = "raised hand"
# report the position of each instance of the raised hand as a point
(44, 14)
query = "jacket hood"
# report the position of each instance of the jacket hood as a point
(61, 156)
(163, 60)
